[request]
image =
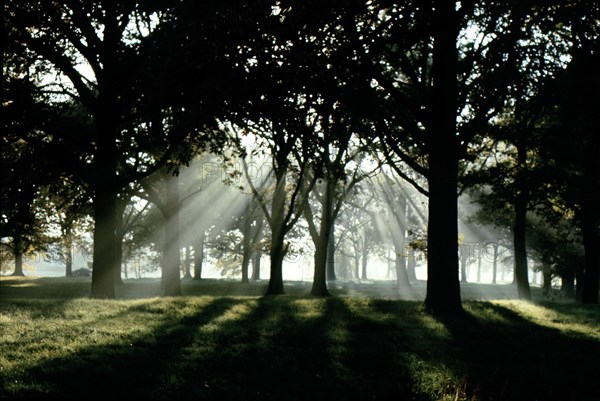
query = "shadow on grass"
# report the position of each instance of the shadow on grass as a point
(291, 348)
(250, 349)
(509, 357)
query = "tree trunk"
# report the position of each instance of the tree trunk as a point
(277, 251)
(331, 254)
(323, 240)
(443, 287)
(276, 255)
(18, 253)
(247, 244)
(172, 256)
(199, 256)
(119, 236)
(520, 228)
(319, 285)
(104, 257)
(69, 257)
(568, 283)
(105, 188)
(546, 280)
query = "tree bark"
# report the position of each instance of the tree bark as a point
(18, 254)
(106, 188)
(443, 287)
(520, 228)
(546, 280)
(323, 240)
(331, 254)
(277, 251)
(69, 257)
(319, 284)
(119, 236)
(568, 283)
(104, 257)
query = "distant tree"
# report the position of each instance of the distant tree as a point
(66, 206)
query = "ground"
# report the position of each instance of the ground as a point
(223, 340)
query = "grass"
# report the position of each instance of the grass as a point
(231, 343)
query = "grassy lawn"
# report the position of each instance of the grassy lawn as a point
(222, 340)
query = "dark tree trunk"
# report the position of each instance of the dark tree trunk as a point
(119, 236)
(172, 257)
(546, 280)
(105, 199)
(443, 287)
(322, 243)
(277, 252)
(568, 283)
(104, 258)
(18, 254)
(331, 255)
(199, 256)
(319, 285)
(519, 233)
(69, 257)
(276, 280)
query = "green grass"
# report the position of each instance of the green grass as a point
(58, 344)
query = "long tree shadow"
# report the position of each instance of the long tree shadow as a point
(507, 356)
(251, 349)
(120, 370)
(292, 348)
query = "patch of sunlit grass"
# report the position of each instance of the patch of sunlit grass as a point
(574, 320)
(290, 347)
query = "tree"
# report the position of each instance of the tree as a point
(98, 35)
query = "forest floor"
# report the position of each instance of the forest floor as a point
(223, 340)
